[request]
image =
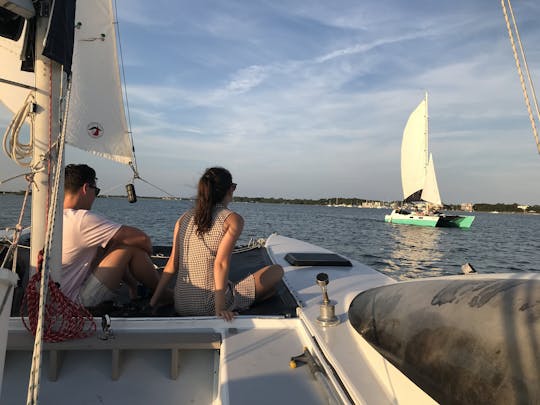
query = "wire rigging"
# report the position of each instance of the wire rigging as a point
(134, 163)
(513, 29)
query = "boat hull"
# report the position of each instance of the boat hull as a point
(456, 221)
(463, 339)
(447, 221)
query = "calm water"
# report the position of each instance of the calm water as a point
(495, 242)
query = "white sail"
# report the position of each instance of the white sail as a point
(12, 96)
(414, 151)
(97, 121)
(430, 191)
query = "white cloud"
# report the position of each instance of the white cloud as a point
(312, 97)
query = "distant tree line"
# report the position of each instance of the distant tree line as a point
(505, 207)
(482, 207)
(301, 201)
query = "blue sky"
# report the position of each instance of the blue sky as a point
(308, 99)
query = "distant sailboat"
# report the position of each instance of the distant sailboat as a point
(418, 177)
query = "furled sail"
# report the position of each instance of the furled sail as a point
(97, 121)
(414, 153)
(430, 191)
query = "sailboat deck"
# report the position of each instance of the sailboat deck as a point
(185, 359)
(251, 364)
(85, 378)
(244, 364)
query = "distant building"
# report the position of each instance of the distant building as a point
(467, 207)
(372, 204)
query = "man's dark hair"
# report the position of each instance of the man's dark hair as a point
(78, 175)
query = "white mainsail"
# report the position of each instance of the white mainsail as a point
(97, 121)
(417, 171)
(12, 96)
(414, 151)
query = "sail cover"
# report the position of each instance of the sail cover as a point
(430, 191)
(59, 37)
(414, 153)
(96, 120)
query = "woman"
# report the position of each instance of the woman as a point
(204, 239)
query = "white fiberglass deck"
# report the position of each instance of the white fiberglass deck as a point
(251, 366)
(366, 375)
(248, 363)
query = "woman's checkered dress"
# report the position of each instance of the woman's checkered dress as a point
(194, 260)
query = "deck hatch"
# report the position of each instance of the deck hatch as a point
(316, 259)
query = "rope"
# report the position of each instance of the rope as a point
(14, 177)
(41, 310)
(12, 250)
(156, 187)
(64, 319)
(52, 317)
(136, 176)
(520, 72)
(252, 244)
(17, 151)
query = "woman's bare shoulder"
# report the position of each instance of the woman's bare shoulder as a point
(234, 220)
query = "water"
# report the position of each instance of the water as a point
(494, 243)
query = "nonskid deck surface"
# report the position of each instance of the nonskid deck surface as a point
(243, 263)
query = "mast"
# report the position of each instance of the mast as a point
(48, 76)
(426, 132)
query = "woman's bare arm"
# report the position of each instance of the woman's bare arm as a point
(233, 226)
(169, 269)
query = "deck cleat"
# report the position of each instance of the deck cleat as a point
(107, 332)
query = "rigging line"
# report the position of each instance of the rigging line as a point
(116, 22)
(24, 86)
(108, 190)
(14, 177)
(35, 371)
(137, 176)
(522, 51)
(520, 73)
(156, 187)
(13, 248)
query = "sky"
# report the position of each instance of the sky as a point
(308, 99)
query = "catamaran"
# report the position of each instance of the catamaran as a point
(419, 180)
(337, 331)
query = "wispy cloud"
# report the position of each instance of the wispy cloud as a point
(313, 96)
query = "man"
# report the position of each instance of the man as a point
(98, 254)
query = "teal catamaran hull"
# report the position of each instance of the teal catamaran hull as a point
(448, 221)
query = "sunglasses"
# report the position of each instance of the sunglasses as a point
(96, 189)
(233, 186)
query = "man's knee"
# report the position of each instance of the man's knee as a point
(123, 251)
